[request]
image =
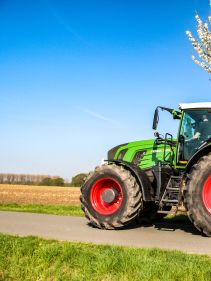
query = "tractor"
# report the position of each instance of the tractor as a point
(150, 178)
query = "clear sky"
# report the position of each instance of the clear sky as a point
(79, 77)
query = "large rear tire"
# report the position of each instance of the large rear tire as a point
(111, 197)
(198, 195)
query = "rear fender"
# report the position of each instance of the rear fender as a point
(202, 151)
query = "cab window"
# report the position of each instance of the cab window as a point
(195, 129)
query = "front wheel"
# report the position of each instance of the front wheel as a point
(111, 197)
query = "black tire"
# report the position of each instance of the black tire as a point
(131, 200)
(196, 209)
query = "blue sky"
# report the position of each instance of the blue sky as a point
(79, 77)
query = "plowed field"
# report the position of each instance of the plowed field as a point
(24, 194)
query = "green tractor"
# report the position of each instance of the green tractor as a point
(145, 178)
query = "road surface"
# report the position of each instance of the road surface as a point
(162, 235)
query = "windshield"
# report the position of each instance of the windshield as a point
(195, 129)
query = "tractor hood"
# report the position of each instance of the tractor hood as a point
(144, 153)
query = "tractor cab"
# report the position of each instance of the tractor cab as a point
(194, 130)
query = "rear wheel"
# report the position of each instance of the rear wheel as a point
(111, 197)
(206, 194)
(198, 195)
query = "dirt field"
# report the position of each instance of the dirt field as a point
(24, 194)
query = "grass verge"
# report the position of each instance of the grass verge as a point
(68, 211)
(44, 209)
(32, 258)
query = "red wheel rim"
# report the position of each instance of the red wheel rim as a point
(206, 194)
(96, 196)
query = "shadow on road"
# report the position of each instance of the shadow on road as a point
(173, 226)
(180, 222)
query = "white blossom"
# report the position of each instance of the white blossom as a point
(202, 46)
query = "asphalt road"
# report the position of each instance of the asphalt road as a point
(162, 235)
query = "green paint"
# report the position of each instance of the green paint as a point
(152, 153)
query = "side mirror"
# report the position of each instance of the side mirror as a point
(156, 119)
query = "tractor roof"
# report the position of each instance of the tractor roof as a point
(197, 105)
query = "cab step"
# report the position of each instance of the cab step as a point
(171, 196)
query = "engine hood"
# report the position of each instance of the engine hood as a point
(145, 153)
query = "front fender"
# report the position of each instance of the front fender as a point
(140, 175)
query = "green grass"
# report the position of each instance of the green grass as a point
(67, 211)
(44, 209)
(32, 258)
(178, 218)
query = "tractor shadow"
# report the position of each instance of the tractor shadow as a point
(173, 226)
(179, 222)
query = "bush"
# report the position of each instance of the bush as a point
(78, 180)
(52, 182)
(58, 182)
(46, 182)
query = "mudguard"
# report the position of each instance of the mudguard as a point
(144, 183)
(204, 149)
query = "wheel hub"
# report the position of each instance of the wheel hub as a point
(109, 195)
(106, 196)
